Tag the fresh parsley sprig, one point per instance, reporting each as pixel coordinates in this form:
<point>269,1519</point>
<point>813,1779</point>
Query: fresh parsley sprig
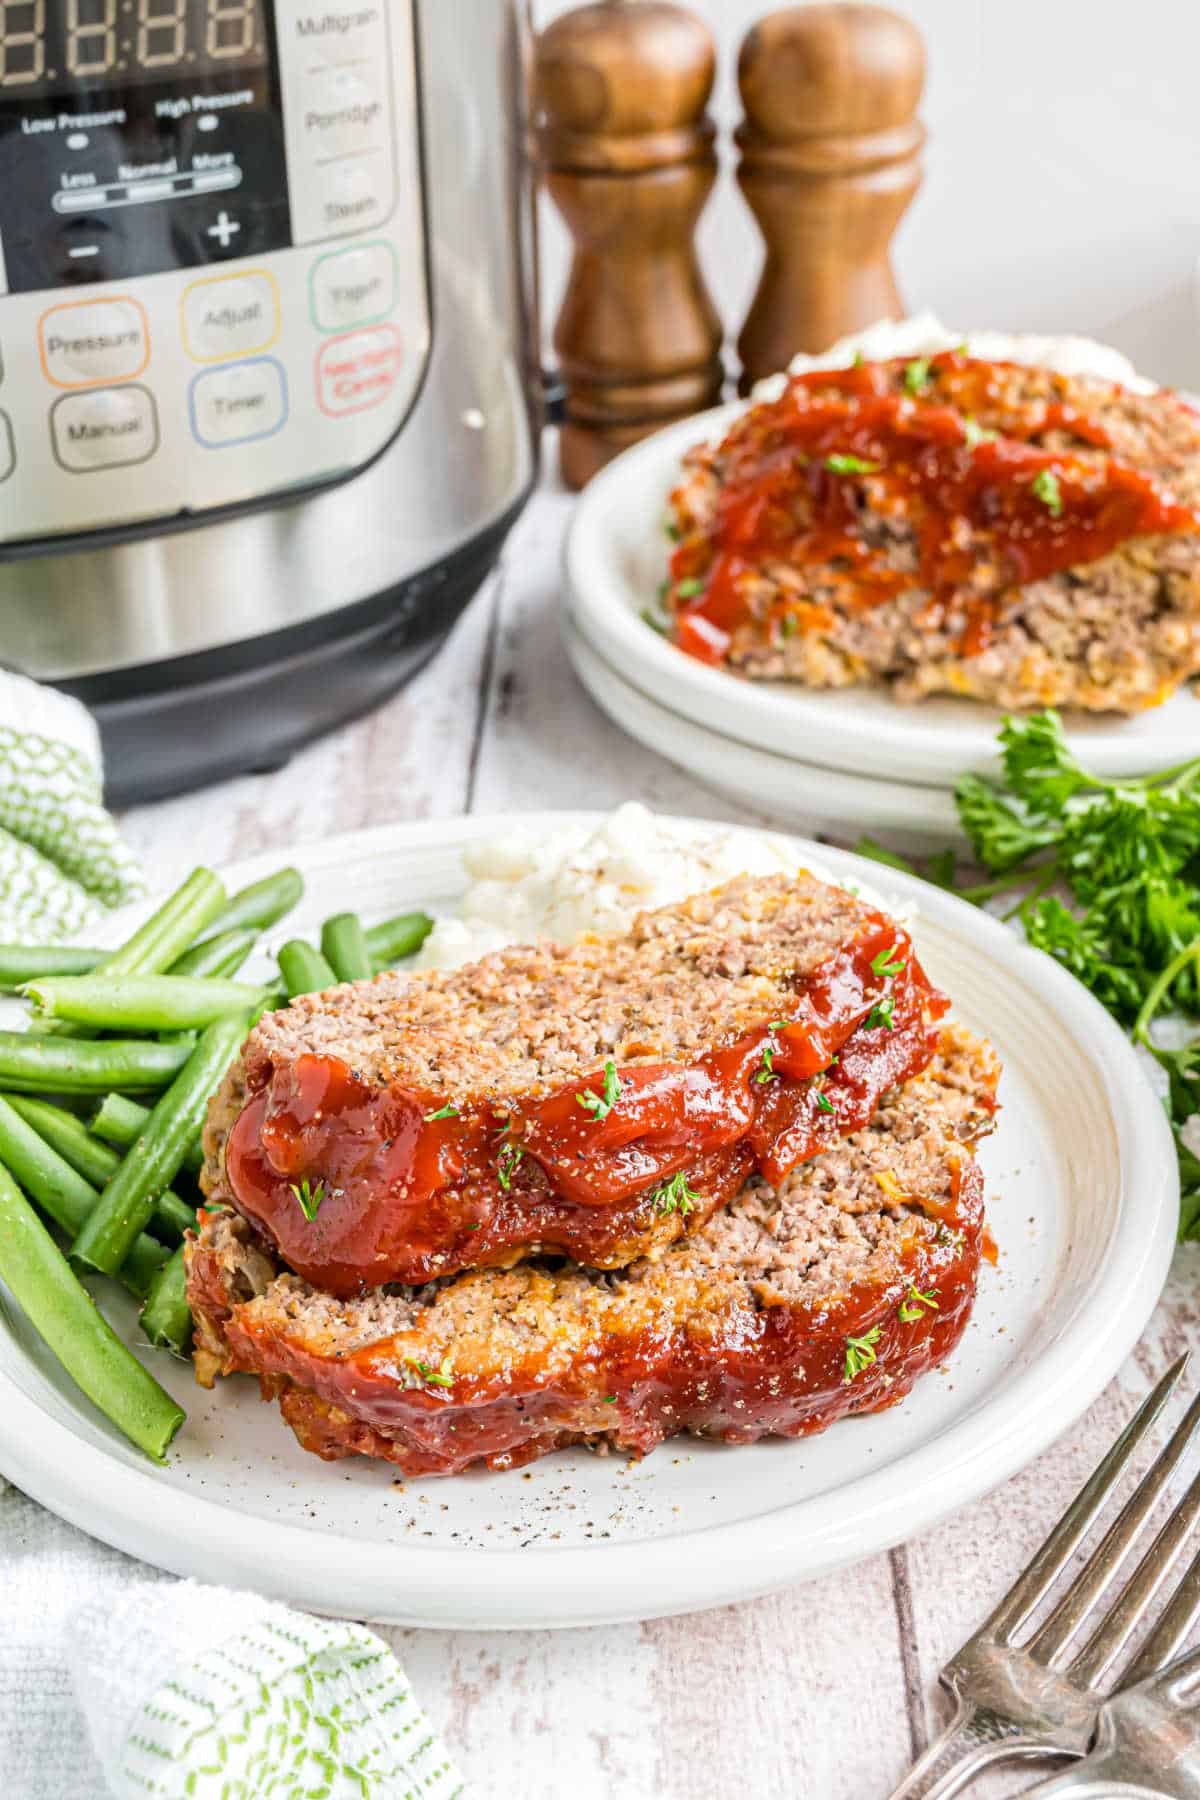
<point>600,1105</point>
<point>1103,875</point>
<point>860,1354</point>
<point>308,1198</point>
<point>674,1196</point>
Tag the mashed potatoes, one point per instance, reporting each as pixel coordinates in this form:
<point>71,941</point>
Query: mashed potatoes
<point>585,879</point>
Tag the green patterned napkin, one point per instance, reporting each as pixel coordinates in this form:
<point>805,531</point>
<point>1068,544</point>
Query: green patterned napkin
<point>199,1693</point>
<point>62,860</point>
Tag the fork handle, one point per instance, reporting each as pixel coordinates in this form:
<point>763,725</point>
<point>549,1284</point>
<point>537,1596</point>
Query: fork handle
<point>973,1739</point>
<point>1088,1783</point>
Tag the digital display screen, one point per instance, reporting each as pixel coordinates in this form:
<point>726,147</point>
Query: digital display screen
<point>49,47</point>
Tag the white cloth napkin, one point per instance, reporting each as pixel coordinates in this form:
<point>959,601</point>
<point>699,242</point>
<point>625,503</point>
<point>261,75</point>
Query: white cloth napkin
<point>201,1693</point>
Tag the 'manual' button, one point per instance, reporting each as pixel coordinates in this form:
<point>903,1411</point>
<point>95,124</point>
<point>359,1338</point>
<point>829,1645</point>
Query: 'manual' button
<point>238,404</point>
<point>230,315</point>
<point>92,341</point>
<point>107,428</point>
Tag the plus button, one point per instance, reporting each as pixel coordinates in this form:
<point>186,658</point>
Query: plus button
<point>225,229</point>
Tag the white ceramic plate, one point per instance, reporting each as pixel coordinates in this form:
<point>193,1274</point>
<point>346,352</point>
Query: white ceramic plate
<point>795,792</point>
<point>1083,1203</point>
<point>616,554</point>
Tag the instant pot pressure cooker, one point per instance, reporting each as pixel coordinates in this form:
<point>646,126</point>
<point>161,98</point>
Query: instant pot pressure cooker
<point>269,395</point>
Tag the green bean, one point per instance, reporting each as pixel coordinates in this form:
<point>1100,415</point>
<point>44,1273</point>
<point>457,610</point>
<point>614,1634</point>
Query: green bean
<point>394,939</point>
<point>22,962</point>
<point>74,1065</point>
<point>304,969</point>
<point>221,955</point>
<point>166,1316</point>
<point>64,1195</point>
<point>70,1137</point>
<point>263,903</point>
<point>344,947</point>
<point>141,1002</point>
<point>122,1121</point>
<point>128,1201</point>
<point>65,1317</point>
<point>155,945</point>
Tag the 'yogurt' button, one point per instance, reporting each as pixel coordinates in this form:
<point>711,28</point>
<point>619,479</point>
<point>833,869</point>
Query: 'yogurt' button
<point>359,370</point>
<point>353,287</point>
<point>107,428</point>
<point>230,315</point>
<point>238,404</point>
<point>92,341</point>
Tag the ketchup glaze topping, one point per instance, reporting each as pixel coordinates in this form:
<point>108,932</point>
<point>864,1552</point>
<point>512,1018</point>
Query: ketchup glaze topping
<point>987,509</point>
<point>404,1186</point>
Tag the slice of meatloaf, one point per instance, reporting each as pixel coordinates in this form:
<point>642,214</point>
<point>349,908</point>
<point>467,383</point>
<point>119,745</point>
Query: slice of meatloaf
<point>598,1100</point>
<point>827,1295</point>
<point>945,525</point>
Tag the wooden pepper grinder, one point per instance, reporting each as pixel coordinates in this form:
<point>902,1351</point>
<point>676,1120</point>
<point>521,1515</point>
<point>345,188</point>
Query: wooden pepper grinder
<point>830,161</point>
<point>627,152</point>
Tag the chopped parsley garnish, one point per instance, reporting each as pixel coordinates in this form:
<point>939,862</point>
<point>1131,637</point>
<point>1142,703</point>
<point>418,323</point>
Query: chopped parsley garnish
<point>976,434</point>
<point>671,529</point>
<point>948,1239</point>
<point>308,1198</point>
<point>1045,486</point>
<point>881,1014</point>
<point>420,1374</point>
<point>507,1164</point>
<point>674,1196</point>
<point>687,590</point>
<point>610,1399</point>
<point>788,625</point>
<point>656,621</point>
<point>768,1071</point>
<point>917,1304</point>
<point>885,963</point>
<point>839,464</point>
<point>443,1112</point>
<point>824,1104</point>
<point>916,374</point>
<point>860,1353</point>
<point>600,1106</point>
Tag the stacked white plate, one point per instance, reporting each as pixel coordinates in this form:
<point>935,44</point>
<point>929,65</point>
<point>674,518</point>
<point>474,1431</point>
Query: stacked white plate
<point>852,760</point>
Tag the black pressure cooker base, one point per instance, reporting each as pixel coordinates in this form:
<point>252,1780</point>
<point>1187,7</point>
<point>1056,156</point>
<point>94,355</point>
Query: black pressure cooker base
<point>170,726</point>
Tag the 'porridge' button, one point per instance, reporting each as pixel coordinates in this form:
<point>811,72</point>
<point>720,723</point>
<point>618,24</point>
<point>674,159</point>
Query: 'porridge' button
<point>107,428</point>
<point>88,342</point>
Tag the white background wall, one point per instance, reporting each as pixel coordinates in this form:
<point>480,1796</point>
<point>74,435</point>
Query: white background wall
<point>1062,184</point>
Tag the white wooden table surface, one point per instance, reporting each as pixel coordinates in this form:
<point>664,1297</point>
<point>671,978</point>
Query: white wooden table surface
<point>821,1693</point>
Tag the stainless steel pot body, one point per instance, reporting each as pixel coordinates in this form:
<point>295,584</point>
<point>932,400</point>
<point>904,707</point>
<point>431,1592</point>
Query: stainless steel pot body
<point>402,348</point>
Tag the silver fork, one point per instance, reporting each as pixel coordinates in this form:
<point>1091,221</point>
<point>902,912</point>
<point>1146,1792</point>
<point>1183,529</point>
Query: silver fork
<point>1147,1740</point>
<point>1042,1697</point>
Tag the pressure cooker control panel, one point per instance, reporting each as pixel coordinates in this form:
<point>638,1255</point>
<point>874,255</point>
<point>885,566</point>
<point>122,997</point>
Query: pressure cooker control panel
<point>213,281</point>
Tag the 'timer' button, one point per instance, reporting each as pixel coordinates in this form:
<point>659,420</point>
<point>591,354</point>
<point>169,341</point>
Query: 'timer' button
<point>107,428</point>
<point>88,342</point>
<point>230,315</point>
<point>236,405</point>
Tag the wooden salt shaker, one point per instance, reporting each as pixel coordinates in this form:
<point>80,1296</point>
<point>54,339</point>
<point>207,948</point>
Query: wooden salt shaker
<point>627,153</point>
<point>830,161</point>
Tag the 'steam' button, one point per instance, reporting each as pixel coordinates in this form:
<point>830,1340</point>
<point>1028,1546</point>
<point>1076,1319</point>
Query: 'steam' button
<point>359,370</point>
<point>107,428</point>
<point>236,405</point>
<point>89,342</point>
<point>230,315</point>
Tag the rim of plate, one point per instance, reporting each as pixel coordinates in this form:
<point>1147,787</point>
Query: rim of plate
<point>128,1506</point>
<point>860,730</point>
<point>775,784</point>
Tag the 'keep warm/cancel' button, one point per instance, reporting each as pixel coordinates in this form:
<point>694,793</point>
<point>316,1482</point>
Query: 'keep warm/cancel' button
<point>358,370</point>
